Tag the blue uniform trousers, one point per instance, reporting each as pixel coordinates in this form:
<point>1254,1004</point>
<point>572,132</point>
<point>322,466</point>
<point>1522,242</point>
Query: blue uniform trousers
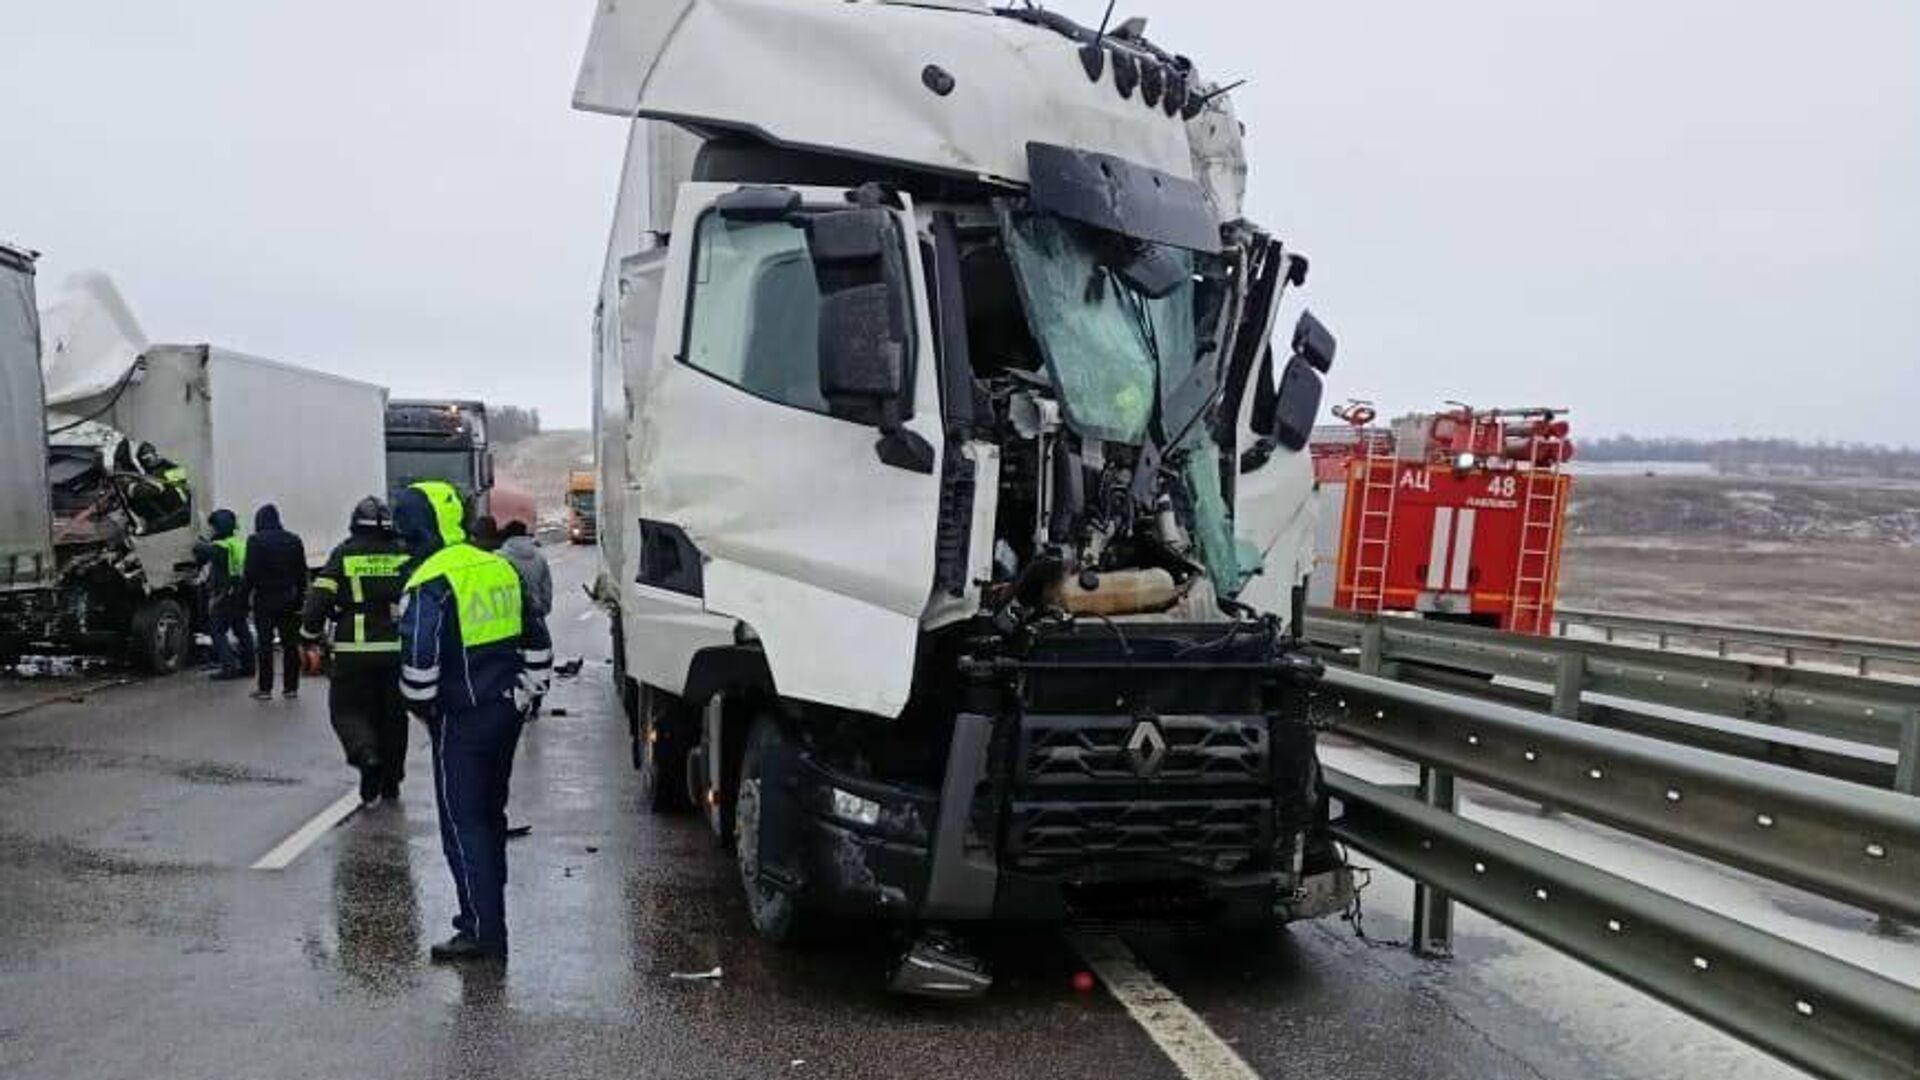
<point>472,764</point>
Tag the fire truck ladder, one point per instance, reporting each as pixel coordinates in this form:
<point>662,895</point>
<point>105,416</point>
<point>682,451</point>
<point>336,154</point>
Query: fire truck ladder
<point>1379,471</point>
<point>1539,525</point>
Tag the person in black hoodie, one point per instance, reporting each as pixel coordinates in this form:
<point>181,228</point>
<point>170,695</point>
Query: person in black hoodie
<point>276,582</point>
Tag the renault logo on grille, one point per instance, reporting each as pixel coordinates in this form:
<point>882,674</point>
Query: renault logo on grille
<point>1146,748</point>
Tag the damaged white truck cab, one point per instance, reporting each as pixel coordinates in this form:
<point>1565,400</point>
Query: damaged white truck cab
<point>956,512</point>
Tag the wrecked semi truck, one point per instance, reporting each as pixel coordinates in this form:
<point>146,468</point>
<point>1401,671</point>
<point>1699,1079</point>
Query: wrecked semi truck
<point>247,431</point>
<point>955,510</point>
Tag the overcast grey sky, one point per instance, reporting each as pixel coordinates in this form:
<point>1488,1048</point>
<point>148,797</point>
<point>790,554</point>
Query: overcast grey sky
<point>1697,217</point>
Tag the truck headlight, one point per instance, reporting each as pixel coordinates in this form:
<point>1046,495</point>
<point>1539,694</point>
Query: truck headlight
<point>854,808</point>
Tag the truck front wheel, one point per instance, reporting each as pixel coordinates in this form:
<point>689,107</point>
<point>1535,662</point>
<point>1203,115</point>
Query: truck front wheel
<point>160,638</point>
<point>776,913</point>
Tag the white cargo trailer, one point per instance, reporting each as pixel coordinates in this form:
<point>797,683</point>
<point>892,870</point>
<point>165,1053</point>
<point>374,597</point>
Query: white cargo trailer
<point>248,431</point>
<point>26,525</point>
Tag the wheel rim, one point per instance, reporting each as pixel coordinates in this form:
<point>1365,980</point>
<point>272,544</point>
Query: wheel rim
<point>746,843</point>
<point>649,757</point>
<point>166,641</point>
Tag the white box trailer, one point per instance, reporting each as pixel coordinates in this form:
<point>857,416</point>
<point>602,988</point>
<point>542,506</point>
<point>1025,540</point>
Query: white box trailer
<point>251,431</point>
<point>26,523</point>
<point>247,430</point>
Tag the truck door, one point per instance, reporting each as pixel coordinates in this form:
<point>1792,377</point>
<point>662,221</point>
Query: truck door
<point>786,435</point>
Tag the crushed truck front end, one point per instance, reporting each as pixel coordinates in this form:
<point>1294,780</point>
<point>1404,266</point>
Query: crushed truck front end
<point>1164,772</point>
<point>958,520</point>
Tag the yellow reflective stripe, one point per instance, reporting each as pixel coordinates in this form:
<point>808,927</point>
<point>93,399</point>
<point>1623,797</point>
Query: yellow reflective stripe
<point>359,624</point>
<point>326,583</point>
<point>357,567</point>
<point>366,646</point>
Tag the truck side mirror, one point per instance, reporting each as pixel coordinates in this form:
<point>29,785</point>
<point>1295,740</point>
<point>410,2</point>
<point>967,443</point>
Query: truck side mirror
<point>1313,340</point>
<point>864,337</point>
<point>1284,407</point>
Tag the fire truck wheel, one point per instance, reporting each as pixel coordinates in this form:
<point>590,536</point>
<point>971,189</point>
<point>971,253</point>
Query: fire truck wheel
<point>776,913</point>
<point>160,638</point>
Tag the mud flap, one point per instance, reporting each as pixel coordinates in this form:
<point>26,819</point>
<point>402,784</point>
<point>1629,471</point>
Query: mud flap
<point>782,816</point>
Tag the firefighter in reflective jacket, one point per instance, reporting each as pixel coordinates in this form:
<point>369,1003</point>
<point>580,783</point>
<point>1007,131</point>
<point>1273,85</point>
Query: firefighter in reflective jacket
<point>472,659</point>
<point>157,489</point>
<point>358,592</point>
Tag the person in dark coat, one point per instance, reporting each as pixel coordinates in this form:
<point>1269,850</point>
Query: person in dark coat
<point>358,593</point>
<point>224,553</point>
<point>276,582</point>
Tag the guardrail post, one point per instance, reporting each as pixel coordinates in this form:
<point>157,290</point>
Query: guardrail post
<point>1906,776</point>
<point>1432,908</point>
<point>1372,647</point>
<point>1569,678</point>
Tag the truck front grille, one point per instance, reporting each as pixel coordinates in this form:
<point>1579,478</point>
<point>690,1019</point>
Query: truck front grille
<point>1194,750</point>
<point>1212,835</point>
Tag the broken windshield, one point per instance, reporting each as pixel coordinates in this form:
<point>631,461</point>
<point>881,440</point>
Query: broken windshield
<point>1093,338</point>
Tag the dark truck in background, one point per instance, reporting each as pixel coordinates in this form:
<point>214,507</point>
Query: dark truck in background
<point>440,440</point>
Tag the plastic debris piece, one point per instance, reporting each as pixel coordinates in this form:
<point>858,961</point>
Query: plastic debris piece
<point>696,976</point>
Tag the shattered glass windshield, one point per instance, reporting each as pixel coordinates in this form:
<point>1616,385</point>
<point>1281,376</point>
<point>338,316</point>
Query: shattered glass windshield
<point>1093,341</point>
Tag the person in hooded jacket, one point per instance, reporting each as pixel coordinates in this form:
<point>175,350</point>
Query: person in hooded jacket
<point>536,579</point>
<point>472,659</point>
<point>224,553</point>
<point>358,593</point>
<point>276,580</point>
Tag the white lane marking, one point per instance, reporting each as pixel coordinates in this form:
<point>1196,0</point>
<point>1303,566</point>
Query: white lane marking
<point>1194,1048</point>
<point>303,838</point>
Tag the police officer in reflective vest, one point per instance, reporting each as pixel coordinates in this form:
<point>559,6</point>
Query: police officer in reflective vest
<point>224,554</point>
<point>358,592</point>
<point>472,659</point>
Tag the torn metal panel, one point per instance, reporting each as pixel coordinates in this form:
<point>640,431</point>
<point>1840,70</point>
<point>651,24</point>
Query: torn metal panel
<point>1120,196</point>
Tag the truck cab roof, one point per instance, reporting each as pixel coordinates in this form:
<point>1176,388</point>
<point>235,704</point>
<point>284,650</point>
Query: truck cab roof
<point>953,87</point>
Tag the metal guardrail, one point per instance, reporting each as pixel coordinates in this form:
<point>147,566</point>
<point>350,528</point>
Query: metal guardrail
<point>1819,1013</point>
<point>1658,762</point>
<point>1870,712</point>
<point>1864,654</point>
<point>1844,841</point>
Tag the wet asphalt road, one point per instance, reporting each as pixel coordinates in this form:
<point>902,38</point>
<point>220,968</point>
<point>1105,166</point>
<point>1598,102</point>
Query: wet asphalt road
<point>136,942</point>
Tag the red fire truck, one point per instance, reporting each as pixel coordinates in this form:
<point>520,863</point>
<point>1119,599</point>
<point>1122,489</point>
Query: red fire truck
<point>1454,515</point>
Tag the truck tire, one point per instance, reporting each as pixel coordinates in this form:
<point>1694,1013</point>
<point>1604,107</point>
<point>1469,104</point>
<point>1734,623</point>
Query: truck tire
<point>160,639</point>
<point>663,733</point>
<point>777,915</point>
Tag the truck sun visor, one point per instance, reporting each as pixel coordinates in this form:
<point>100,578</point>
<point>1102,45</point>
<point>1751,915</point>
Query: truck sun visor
<point>1120,196</point>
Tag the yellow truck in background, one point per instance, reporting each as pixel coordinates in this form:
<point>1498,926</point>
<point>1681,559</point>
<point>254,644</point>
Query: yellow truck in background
<point>582,525</point>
